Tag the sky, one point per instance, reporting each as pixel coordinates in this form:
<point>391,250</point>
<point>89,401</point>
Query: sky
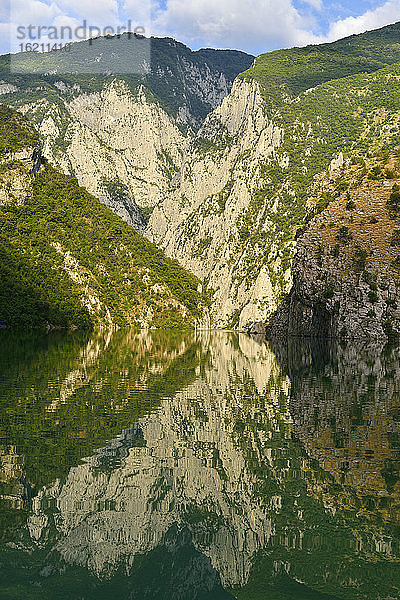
<point>254,26</point>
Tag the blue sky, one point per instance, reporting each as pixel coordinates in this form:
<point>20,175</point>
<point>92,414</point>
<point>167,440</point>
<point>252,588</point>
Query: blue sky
<point>252,25</point>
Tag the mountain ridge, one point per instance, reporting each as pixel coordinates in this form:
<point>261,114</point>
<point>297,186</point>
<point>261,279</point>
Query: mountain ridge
<point>121,136</point>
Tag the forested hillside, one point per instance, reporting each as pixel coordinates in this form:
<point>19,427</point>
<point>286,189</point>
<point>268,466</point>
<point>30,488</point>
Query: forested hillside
<point>286,73</point>
<point>67,260</point>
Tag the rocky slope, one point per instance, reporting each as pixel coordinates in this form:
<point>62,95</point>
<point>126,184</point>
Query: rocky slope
<point>67,260</point>
<point>346,269</point>
<point>241,192</point>
<point>122,136</point>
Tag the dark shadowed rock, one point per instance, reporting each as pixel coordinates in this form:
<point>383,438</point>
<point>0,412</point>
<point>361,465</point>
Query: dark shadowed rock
<point>258,329</point>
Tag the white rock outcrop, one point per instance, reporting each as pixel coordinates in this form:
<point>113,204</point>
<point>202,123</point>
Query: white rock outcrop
<point>120,145</point>
<point>203,221</point>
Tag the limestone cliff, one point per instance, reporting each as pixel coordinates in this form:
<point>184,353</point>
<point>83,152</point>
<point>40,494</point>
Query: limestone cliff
<point>230,198</point>
<point>121,146</point>
<point>234,209</point>
<point>203,223</point>
<point>121,136</point>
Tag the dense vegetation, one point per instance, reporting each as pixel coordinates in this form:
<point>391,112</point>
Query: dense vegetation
<point>322,106</point>
<point>295,70</point>
<point>16,132</point>
<point>32,292</point>
<point>66,259</point>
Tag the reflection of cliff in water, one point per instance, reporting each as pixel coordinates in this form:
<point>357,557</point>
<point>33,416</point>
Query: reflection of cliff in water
<point>192,463</point>
<point>345,404</point>
<point>209,487</point>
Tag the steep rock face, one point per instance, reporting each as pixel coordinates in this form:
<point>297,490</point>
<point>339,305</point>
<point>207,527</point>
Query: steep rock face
<point>122,137</point>
<point>201,223</point>
<point>14,183</point>
<point>229,202</point>
<point>189,84</point>
<point>122,147</point>
<point>241,194</point>
<point>346,275</point>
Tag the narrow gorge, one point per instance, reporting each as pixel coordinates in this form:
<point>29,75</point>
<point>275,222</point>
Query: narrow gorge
<point>199,310</point>
<point>218,158</point>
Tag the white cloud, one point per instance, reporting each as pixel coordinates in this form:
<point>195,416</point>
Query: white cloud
<point>385,14</point>
<point>138,11</point>
<point>260,25</point>
<point>95,12</point>
<point>245,24</point>
<point>33,12</point>
<point>68,13</point>
<point>24,14</point>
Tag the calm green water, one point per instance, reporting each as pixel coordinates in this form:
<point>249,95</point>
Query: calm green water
<point>154,466</point>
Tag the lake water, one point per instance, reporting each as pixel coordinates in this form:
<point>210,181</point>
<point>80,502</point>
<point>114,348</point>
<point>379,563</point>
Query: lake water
<point>182,467</point>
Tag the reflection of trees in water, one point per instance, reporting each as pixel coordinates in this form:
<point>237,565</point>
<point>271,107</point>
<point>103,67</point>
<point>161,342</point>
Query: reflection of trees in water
<point>345,404</point>
<point>212,485</point>
<point>63,396</point>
